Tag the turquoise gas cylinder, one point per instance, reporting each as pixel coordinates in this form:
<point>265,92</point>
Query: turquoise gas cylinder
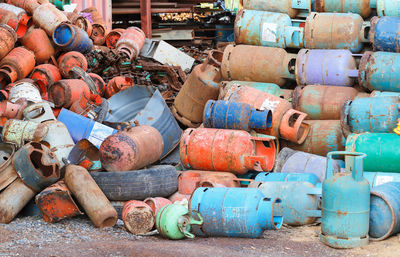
<point>345,204</point>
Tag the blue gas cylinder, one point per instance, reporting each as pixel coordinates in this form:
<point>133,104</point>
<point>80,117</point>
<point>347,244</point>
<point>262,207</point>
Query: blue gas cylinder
<point>388,7</point>
<point>69,37</point>
<point>234,212</point>
<point>233,115</point>
<point>83,128</point>
<point>379,178</point>
<point>345,204</point>
<point>288,177</point>
<point>387,34</point>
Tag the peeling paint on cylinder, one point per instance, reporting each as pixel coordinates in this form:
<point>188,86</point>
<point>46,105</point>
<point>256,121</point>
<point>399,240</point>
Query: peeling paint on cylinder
<point>131,42</point>
<point>48,17</point>
<point>45,75</point>
<point>8,38</point>
<point>24,90</point>
<point>237,151</point>
<point>16,65</point>
<point>138,217</point>
<point>69,60</point>
<point>387,34</point>
<point>362,7</point>
<point>116,85</point>
<point>113,37</point>
<point>291,7</point>
<point>37,41</point>
<point>388,7</point>
<point>269,88</point>
<point>65,92</point>
<point>18,132</point>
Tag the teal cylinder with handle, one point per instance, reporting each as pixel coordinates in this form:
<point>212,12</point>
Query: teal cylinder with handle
<point>345,203</point>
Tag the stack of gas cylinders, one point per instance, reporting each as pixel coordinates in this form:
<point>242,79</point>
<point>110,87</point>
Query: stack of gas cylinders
<point>304,80</point>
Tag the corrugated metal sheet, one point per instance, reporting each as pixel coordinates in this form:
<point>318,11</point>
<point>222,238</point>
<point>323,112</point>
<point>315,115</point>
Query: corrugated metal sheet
<point>103,6</point>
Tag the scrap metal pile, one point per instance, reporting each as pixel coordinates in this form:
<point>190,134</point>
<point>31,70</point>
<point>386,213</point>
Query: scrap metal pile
<point>92,122</point>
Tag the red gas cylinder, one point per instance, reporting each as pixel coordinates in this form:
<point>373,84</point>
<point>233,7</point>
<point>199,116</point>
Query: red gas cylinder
<point>113,37</point>
<point>8,39</point>
<point>287,123</point>
<point>99,34</point>
<point>69,60</point>
<point>45,75</point>
<point>99,82</point>
<point>66,91</point>
<point>116,85</point>
<point>138,217</point>
<point>131,42</point>
<point>38,42</point>
<point>16,65</point>
<point>132,149</point>
<point>228,150</point>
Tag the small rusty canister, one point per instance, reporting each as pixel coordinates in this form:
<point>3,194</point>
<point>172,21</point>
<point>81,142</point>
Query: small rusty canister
<point>113,37</point>
<point>55,203</point>
<point>45,75</point>
<point>16,65</point>
<point>138,217</point>
<point>67,61</point>
<point>48,17</point>
<point>286,122</point>
<point>132,149</point>
<point>130,43</point>
<point>90,196</point>
<point>237,151</point>
<point>67,91</point>
<point>323,102</point>
<point>19,132</point>
<point>116,85</point>
<point>8,38</point>
<point>201,85</point>
<point>258,63</point>
<point>38,42</point>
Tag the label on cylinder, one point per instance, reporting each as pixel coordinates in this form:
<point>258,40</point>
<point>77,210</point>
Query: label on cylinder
<point>99,133</point>
<point>269,32</point>
<point>269,105</point>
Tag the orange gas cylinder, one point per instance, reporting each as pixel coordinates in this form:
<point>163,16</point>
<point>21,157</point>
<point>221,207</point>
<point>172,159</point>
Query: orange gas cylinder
<point>28,5</point>
<point>45,75</point>
<point>228,150</point>
<point>8,39</point>
<point>13,110</point>
<point>16,65</point>
<point>138,217</point>
<point>287,123</point>
<point>116,85</point>
<point>130,43</point>
<point>38,42</point>
<point>99,34</point>
<point>79,21</point>
<point>99,82</point>
<point>69,60</point>
<point>189,180</point>
<point>113,37</point>
<point>66,91</point>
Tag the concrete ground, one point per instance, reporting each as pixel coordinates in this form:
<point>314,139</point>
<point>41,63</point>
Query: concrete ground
<point>31,236</point>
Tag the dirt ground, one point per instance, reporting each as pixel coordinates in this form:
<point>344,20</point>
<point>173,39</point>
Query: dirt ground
<point>31,236</point>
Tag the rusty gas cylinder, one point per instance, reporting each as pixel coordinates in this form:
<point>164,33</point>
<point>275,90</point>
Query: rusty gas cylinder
<point>90,196</point>
<point>130,43</point>
<point>116,85</point>
<point>94,15</point>
<point>237,151</point>
<point>201,85</point>
<point>45,75</point>
<point>156,203</point>
<point>13,110</point>
<point>99,82</point>
<point>80,21</point>
<point>19,132</point>
<point>38,42</point>
<point>7,170</point>
<point>362,7</point>
<point>257,63</point>
<point>48,17</point>
<point>20,26</point>
<point>56,203</point>
<point>66,91</point>
<point>28,5</point>
<point>323,102</point>
<point>325,136</point>
<point>99,34</point>
<point>8,38</point>
<point>132,149</point>
<point>286,122</point>
<point>113,36</point>
<point>16,65</point>
<point>69,60</point>
<point>138,217</point>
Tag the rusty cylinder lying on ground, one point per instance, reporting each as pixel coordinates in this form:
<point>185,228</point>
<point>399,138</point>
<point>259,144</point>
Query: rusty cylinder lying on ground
<point>90,196</point>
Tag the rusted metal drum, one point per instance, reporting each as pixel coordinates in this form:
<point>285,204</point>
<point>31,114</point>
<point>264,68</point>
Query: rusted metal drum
<point>132,149</point>
<point>325,136</point>
<point>326,67</point>
<point>65,92</point>
<point>116,85</point>
<point>45,75</point>
<point>38,42</point>
<point>257,63</point>
<point>8,38</point>
<point>156,203</point>
<point>200,86</point>
<point>90,196</point>
<point>131,42</point>
<point>55,203</point>
<point>296,130</point>
<point>69,60</point>
<point>16,65</point>
<point>291,7</point>
<point>18,132</point>
<point>189,180</point>
<point>48,17</point>
<point>323,102</point>
<point>237,151</point>
<point>113,36</point>
<point>335,31</point>
<point>138,217</point>
<point>362,7</point>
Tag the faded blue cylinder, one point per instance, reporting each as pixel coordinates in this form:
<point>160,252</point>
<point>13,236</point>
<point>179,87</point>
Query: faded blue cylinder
<point>300,200</point>
<point>387,34</point>
<point>385,211</point>
<point>325,67</point>
<point>287,177</point>
<point>233,115</point>
<point>345,204</point>
<point>234,212</point>
<point>371,114</point>
<point>69,37</point>
<point>388,7</point>
<point>81,127</point>
<point>379,178</point>
<point>292,7</point>
<point>362,7</point>
<point>267,29</point>
<point>380,71</point>
<point>376,93</point>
